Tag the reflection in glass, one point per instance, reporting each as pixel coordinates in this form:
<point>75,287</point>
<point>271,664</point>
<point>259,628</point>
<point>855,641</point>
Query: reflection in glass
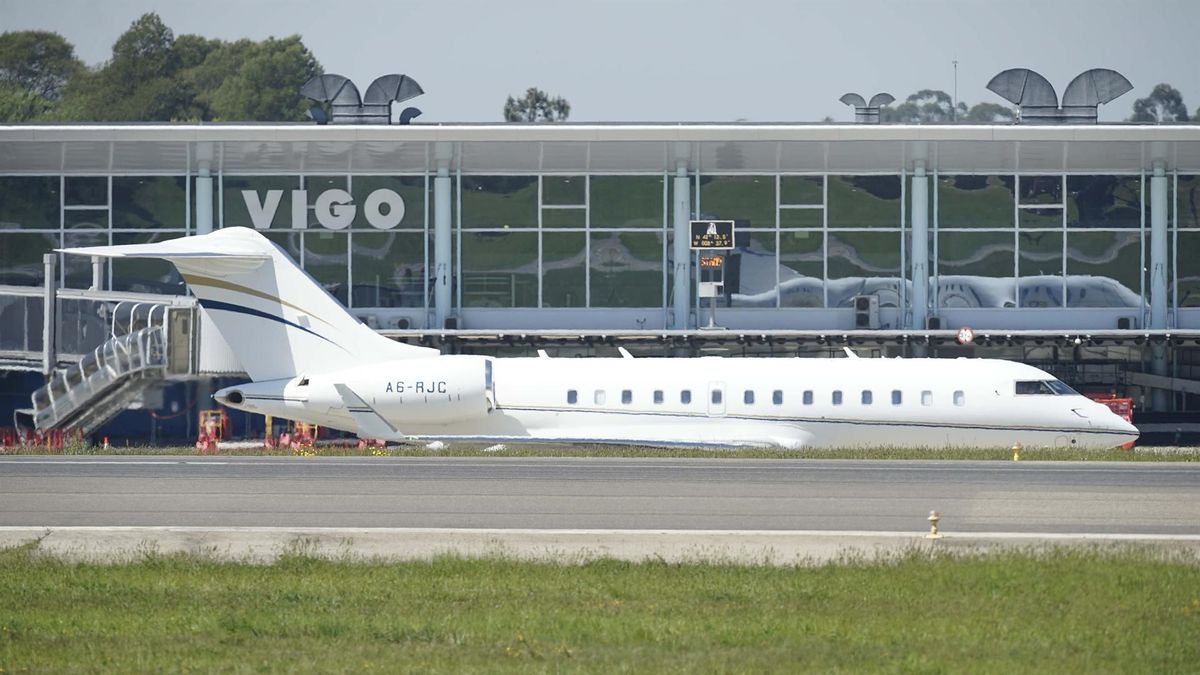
<point>86,191</point>
<point>975,201</point>
<point>315,185</point>
<point>750,272</point>
<point>145,275</point>
<point>1040,264</point>
<point>855,258</point>
<point>564,265</point>
<point>1103,269</point>
<point>387,269</point>
<point>1188,201</point>
<point>1040,218</point>
<point>806,190</point>
<point>1104,201</point>
<point>289,241</point>
<point>21,257</point>
<point>801,269</point>
<point>499,201</point>
<point>149,202</point>
<point>626,269</point>
<point>864,201</point>
<point>29,202</point>
<point>564,190</point>
<point>801,218</point>
<point>77,269</point>
<point>749,198</point>
<point>1040,189</point>
<point>325,256</point>
<point>236,213</point>
<point>499,269</point>
<point>1187,270</point>
<point>567,218</point>
<point>85,220</point>
<point>410,188</point>
<point>975,269</point>
<point>627,201</point>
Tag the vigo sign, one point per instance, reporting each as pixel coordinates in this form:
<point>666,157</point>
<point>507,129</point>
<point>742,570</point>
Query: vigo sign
<point>335,208</point>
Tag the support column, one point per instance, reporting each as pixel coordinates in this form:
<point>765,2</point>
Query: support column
<point>97,273</point>
<point>1158,277</point>
<point>442,221</point>
<point>682,252</point>
<point>49,313</point>
<point>920,247</point>
<point>204,199</point>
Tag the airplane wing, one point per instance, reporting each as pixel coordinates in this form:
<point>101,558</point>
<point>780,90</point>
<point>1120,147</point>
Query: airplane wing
<point>370,424</point>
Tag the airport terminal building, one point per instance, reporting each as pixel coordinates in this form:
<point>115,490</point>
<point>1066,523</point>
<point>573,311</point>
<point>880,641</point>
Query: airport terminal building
<point>441,230</point>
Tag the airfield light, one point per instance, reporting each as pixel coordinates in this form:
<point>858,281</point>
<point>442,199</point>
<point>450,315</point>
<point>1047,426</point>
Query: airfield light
<point>934,517</point>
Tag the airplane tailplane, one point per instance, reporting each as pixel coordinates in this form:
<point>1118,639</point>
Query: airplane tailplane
<point>276,318</point>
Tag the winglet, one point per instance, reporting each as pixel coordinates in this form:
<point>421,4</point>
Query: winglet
<point>370,424</point>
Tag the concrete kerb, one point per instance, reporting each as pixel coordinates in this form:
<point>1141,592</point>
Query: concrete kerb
<point>266,545</point>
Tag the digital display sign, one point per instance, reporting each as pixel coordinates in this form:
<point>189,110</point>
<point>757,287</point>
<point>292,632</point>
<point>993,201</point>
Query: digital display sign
<point>712,234</point>
<point>712,262</point>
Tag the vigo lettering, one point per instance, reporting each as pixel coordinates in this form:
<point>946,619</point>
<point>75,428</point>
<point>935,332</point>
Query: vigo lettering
<point>334,208</point>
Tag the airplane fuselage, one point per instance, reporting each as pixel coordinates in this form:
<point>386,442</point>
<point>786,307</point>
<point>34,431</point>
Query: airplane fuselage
<point>721,402</point>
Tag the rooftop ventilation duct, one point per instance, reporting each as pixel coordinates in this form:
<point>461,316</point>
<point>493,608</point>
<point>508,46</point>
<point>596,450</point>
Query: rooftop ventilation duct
<point>347,107</point>
<point>864,112</point>
<point>1038,103</point>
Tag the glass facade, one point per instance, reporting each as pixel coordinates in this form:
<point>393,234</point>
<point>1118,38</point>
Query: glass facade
<point>561,241</point>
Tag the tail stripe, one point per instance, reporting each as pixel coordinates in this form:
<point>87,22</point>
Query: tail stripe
<point>227,307</point>
<point>194,280</point>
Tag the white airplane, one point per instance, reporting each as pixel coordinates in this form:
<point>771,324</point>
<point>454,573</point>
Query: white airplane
<point>310,360</point>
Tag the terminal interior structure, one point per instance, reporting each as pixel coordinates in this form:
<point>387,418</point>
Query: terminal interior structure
<point>1075,247</point>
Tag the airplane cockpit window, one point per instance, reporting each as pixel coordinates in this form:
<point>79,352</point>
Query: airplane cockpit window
<point>1044,388</point>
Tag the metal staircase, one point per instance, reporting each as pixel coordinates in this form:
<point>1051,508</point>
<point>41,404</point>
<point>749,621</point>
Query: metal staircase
<point>112,378</point>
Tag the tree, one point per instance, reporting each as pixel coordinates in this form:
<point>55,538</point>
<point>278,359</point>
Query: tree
<point>536,106</point>
<point>255,80</point>
<point>34,68</point>
<point>1164,104</point>
<point>988,113</point>
<point>928,106</point>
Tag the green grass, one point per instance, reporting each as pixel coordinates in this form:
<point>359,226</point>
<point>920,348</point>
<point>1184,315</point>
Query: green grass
<point>1147,454</point>
<point>1071,610</point>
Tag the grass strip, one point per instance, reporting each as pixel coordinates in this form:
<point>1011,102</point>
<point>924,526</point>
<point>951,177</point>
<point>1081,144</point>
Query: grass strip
<point>1065,610</point>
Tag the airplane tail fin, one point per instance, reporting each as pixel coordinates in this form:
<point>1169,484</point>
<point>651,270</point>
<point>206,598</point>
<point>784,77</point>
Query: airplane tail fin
<point>277,319</point>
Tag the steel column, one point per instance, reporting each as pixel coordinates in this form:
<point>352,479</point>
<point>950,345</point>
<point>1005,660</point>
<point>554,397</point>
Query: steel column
<point>680,217</point>
<point>920,247</point>
<point>442,238</point>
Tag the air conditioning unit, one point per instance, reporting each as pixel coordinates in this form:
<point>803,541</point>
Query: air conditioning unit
<point>1126,323</point>
<point>866,312</point>
<point>933,323</point>
<point>399,323</point>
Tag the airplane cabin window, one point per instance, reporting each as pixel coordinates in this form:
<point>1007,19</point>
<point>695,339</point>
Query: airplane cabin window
<point>777,397</point>
<point>716,396</point>
<point>599,397</point>
<point>897,397</point>
<point>837,397</point>
<point>808,397</point>
<point>927,397</point>
<point>658,396</point>
<point>867,397</point>
<point>572,396</point>
<point>685,396</point>
<point>627,396</point>
<point>959,398</point>
<point>748,397</point>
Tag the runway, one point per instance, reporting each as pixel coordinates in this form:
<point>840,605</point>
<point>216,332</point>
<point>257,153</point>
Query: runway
<point>534,494</point>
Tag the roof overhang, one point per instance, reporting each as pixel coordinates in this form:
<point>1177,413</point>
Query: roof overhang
<point>597,148</point>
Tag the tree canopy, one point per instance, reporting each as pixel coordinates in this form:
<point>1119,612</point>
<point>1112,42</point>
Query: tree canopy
<point>154,76</point>
<point>933,106</point>
<point>1164,104</point>
<point>536,106</point>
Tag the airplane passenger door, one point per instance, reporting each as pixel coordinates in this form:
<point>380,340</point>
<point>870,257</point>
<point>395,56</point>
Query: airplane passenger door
<point>716,399</point>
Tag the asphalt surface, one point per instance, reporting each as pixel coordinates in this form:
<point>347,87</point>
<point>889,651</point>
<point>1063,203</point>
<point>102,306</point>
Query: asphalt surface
<point>626,494</point>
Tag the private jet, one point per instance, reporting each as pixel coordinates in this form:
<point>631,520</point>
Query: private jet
<point>312,361</point>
